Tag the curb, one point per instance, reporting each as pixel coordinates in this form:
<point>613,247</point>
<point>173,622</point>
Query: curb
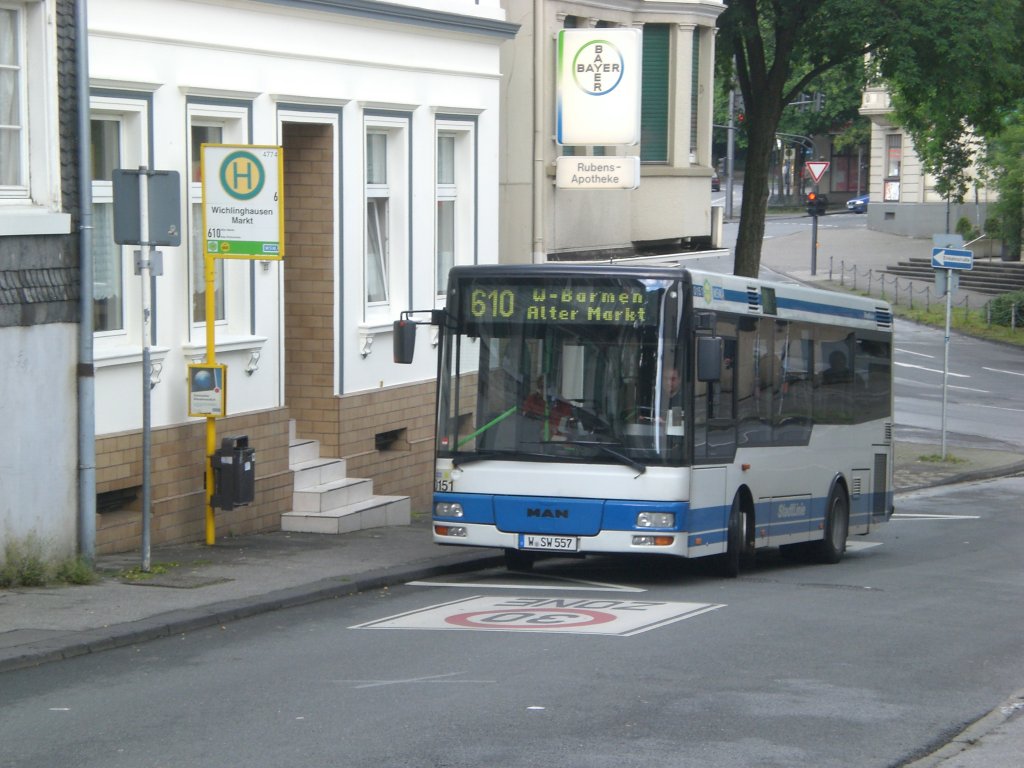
<point>82,642</point>
<point>969,737</point>
<point>969,476</point>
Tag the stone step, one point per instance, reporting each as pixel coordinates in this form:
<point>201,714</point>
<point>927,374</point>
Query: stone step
<point>300,450</point>
<point>375,512</point>
<point>317,472</point>
<point>337,494</point>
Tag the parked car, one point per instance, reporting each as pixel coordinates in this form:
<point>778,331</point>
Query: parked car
<point>857,204</point>
<point>716,183</point>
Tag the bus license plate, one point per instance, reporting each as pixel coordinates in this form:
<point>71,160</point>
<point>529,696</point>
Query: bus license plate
<point>556,543</point>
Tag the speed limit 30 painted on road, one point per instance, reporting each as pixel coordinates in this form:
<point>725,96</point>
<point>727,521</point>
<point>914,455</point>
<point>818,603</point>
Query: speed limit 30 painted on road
<point>585,616</point>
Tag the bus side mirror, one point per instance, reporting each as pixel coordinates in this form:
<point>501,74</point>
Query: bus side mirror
<point>404,341</point>
<point>709,358</point>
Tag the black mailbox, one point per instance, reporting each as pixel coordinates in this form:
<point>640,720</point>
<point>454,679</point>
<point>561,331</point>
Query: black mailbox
<point>234,473</point>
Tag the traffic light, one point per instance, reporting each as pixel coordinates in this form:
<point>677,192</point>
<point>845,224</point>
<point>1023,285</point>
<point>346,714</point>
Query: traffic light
<point>816,204</point>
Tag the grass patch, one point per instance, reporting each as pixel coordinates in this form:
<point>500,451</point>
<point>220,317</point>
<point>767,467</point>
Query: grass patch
<point>137,574</point>
<point>972,322</point>
<point>26,564</point>
<point>936,458</point>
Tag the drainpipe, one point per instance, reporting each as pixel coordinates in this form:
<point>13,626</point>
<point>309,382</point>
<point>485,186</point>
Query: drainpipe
<point>86,369</point>
<point>539,175</point>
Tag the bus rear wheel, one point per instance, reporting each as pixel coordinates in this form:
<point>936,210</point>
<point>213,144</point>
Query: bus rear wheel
<point>517,560</point>
<point>837,526</point>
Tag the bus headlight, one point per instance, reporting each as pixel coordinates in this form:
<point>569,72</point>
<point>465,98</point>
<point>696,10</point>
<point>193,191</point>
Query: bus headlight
<point>655,520</point>
<point>448,509</point>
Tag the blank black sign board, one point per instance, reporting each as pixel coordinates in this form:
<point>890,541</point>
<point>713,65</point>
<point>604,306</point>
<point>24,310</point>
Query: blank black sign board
<point>164,207</point>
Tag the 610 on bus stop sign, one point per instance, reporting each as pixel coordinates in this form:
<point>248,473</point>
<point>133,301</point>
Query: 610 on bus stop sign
<point>243,216</point>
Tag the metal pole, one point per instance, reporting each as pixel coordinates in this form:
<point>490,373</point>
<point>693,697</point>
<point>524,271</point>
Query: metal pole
<point>814,245</point>
<point>86,327</point>
<point>730,153</point>
<point>145,250</point>
<point>945,363</point>
<point>210,269</point>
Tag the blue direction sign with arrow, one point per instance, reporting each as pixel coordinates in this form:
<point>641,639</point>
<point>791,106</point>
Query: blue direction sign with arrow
<point>952,258</point>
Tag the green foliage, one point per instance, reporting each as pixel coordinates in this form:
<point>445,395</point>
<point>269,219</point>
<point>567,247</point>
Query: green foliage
<point>1006,306</point>
<point>75,570</point>
<point>25,564</point>
<point>952,66</point>
<point>966,229</point>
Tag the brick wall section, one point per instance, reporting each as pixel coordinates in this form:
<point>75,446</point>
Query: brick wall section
<point>309,282</point>
<point>176,481</point>
<point>405,469</point>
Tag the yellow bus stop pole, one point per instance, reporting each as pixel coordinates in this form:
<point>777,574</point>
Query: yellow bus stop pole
<point>210,270</point>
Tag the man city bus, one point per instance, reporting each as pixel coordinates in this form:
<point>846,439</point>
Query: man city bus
<point>657,410</point>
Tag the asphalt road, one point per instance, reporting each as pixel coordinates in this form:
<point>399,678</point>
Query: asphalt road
<point>868,663</point>
<point>984,389</point>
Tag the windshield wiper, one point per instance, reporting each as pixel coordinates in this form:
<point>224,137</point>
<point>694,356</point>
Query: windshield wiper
<point>610,449</point>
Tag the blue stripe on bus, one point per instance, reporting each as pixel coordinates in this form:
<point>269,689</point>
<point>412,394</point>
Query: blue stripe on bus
<point>803,305</point>
<point>586,517</point>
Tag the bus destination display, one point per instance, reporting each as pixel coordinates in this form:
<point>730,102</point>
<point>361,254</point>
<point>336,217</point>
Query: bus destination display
<point>600,303</point>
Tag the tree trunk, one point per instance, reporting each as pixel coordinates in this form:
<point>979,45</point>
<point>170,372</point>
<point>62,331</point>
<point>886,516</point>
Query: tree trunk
<point>750,237</point>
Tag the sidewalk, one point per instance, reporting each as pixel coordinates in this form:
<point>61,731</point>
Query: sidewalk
<point>202,586</point>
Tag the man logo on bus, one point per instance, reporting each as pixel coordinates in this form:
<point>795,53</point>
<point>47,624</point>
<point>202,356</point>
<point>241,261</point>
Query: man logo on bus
<point>597,68</point>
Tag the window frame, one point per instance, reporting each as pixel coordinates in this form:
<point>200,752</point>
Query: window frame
<point>132,113</point>
<point>396,190</point>
<point>461,192</point>
<point>234,120</point>
<point>33,206</point>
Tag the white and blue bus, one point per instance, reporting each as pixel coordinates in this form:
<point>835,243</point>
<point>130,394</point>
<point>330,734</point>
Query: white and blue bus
<point>654,409</point>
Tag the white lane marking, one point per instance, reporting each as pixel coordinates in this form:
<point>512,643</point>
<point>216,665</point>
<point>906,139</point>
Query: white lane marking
<point>1000,370</point>
<point>912,352</point>
<point>569,583</point>
<point>413,680</point>
<point>998,408</point>
<point>931,370</point>
<point>926,516</point>
<point>860,546</point>
<point>970,389</point>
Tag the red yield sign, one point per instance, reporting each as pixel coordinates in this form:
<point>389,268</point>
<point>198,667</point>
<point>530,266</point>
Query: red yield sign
<point>816,168</point>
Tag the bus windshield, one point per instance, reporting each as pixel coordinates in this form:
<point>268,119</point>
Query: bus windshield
<point>580,368</point>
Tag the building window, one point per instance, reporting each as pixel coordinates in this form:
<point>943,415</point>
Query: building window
<point>119,127</point>
<point>203,134</point>
<point>377,194</point>
<point>29,138</point>
<point>694,93</point>
<point>455,200</point>
<point>108,262</point>
<point>215,122</point>
<point>13,136</point>
<point>387,218</point>
<point>654,94</point>
<point>893,155</point>
<point>447,195</point>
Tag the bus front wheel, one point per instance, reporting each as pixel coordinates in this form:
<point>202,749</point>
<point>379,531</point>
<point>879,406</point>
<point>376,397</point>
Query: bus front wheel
<point>736,540</point>
<point>837,526</point>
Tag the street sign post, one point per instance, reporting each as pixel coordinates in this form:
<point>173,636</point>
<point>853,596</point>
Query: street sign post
<point>243,218</point>
<point>951,260</point>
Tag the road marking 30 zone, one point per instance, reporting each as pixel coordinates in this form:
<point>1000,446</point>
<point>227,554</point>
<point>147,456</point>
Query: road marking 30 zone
<point>572,615</point>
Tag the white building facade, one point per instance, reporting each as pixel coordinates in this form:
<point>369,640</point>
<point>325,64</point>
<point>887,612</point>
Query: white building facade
<point>903,199</point>
<point>39,279</point>
<point>671,209</point>
<point>388,118</point>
